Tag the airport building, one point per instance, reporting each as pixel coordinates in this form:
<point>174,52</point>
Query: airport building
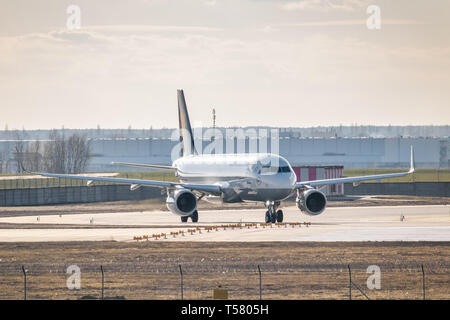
<point>347,152</point>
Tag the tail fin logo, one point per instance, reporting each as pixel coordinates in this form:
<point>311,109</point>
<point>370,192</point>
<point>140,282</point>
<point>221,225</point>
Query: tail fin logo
<point>186,136</point>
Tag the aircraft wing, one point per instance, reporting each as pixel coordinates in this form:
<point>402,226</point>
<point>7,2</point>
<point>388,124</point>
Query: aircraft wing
<point>315,183</point>
<point>208,188</point>
<point>142,165</point>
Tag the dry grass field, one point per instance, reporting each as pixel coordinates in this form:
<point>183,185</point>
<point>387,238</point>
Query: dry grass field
<point>150,270</point>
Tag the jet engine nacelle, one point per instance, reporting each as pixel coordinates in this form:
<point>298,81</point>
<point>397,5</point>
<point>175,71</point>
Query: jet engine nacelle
<point>182,202</point>
<point>311,202</point>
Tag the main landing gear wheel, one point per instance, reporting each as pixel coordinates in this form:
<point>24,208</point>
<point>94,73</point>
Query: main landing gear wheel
<point>273,217</point>
<point>194,216</point>
<point>280,216</point>
<point>268,217</point>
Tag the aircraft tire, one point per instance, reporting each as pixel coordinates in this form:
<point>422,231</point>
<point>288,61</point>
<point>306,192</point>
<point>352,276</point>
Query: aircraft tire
<point>280,216</point>
<point>273,217</point>
<point>194,216</point>
<point>268,219</point>
<point>184,219</point>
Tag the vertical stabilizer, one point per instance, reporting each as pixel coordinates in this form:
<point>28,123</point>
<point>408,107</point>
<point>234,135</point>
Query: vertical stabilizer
<point>186,135</point>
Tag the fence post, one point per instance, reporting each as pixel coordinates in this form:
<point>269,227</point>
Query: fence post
<point>260,283</point>
<point>360,290</point>
<point>350,282</point>
<point>24,283</point>
<point>181,281</point>
<point>354,284</point>
<point>423,283</point>
<point>103,282</point>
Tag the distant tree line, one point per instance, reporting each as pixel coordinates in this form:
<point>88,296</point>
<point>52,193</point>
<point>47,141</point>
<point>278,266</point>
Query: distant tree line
<point>60,154</point>
<point>340,131</point>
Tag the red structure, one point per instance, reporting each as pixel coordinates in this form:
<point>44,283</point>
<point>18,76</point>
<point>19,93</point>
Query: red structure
<point>307,173</point>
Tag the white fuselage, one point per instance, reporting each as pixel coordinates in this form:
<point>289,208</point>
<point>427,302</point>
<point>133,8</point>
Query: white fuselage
<point>255,177</point>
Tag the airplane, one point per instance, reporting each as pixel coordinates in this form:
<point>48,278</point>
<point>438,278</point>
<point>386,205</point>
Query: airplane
<point>231,178</point>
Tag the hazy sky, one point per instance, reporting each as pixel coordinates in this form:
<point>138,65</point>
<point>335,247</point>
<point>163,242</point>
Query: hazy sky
<point>258,62</point>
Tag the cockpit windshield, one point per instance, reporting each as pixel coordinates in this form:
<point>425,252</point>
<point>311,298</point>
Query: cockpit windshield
<point>273,167</point>
<point>284,169</point>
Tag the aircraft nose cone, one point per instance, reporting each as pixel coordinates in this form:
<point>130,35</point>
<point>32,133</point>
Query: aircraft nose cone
<point>293,179</point>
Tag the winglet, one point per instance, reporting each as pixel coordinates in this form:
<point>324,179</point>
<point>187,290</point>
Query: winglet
<point>412,165</point>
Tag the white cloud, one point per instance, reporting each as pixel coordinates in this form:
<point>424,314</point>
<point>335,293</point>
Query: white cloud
<point>324,5</point>
<point>345,23</point>
<point>122,74</point>
<point>210,2</point>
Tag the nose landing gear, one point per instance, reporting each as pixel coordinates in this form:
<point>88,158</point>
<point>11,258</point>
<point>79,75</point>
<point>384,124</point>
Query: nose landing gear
<point>272,214</point>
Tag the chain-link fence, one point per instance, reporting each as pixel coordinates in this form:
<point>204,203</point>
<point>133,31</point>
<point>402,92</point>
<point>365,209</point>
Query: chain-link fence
<point>139,280</point>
